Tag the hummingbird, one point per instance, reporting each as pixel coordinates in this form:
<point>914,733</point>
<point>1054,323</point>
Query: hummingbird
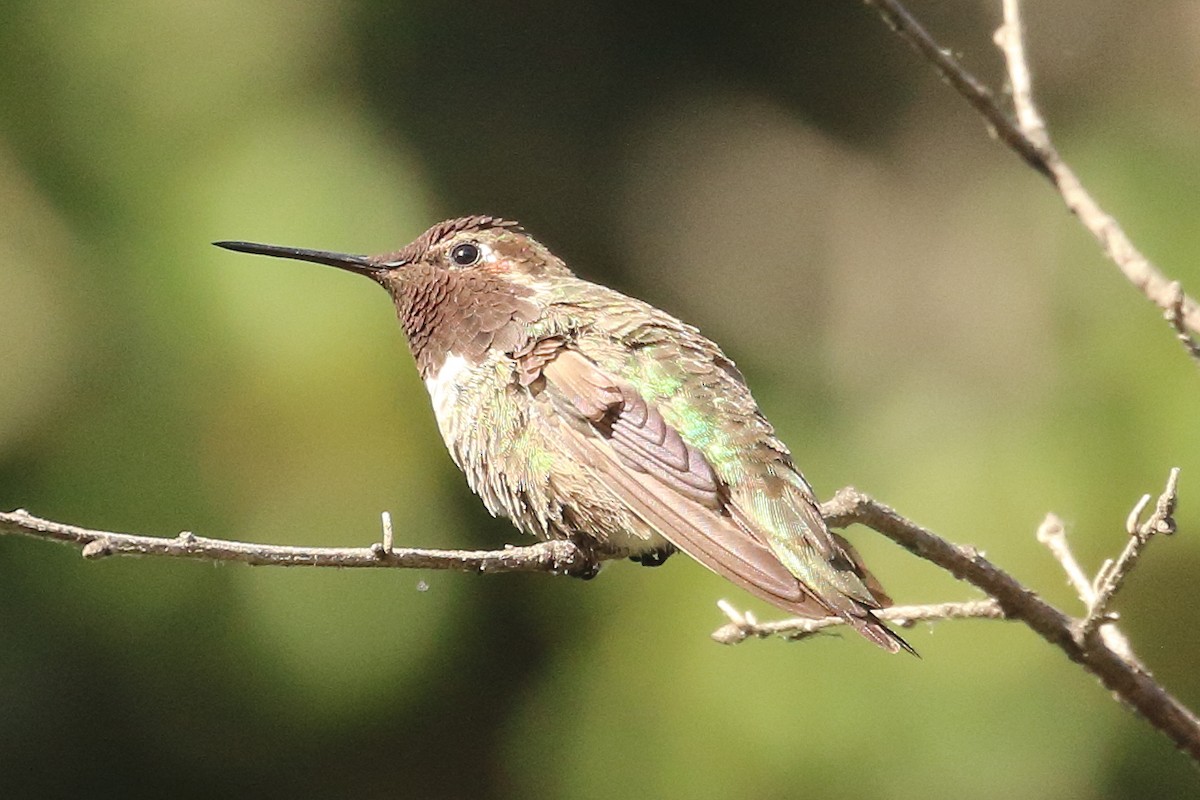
<point>580,413</point>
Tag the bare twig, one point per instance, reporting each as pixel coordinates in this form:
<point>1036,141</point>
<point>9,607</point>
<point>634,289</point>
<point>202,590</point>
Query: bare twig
<point>1174,317</point>
<point>742,625</point>
<point>1010,38</point>
<point>1112,575</point>
<point>1121,674</point>
<point>1027,137</point>
<point>971,88</point>
<point>558,557</point>
<point>1052,533</point>
<point>389,535</point>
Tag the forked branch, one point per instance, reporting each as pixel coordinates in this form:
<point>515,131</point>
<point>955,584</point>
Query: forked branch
<point>1092,641</point>
<point>1028,136</point>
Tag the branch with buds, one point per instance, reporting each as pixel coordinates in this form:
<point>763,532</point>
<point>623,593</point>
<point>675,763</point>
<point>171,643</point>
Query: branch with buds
<point>1026,134</point>
<point>1093,641</point>
<point>557,557</point>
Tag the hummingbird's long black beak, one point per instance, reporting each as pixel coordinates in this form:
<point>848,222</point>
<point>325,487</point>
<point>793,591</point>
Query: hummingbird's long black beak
<point>363,265</point>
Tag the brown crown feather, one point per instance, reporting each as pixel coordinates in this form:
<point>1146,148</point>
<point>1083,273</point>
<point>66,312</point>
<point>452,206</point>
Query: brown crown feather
<point>419,247</point>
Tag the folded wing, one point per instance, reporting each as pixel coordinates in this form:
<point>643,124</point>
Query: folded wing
<point>628,446</point>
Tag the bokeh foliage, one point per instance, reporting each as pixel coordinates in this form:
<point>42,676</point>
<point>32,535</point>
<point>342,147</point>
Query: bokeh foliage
<point>915,310</point>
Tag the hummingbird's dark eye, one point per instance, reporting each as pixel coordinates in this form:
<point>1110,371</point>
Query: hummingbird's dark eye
<point>465,254</point>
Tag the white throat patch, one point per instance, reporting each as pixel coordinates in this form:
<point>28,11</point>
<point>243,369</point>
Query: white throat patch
<point>443,386</point>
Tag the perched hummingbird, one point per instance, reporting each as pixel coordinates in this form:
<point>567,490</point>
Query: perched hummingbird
<point>583,414</point>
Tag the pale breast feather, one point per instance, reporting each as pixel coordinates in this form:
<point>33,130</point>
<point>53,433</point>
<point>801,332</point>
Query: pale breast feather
<point>444,386</point>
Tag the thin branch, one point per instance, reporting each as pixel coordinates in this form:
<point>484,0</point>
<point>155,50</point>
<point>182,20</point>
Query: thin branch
<point>1122,675</point>
<point>1162,291</point>
<point>556,557</point>
<point>1052,533</point>
<point>1028,138</point>
<point>971,88</point>
<point>742,624</point>
<point>389,535</point>
<point>1175,318</point>
<point>1010,38</point>
<point>1112,576</point>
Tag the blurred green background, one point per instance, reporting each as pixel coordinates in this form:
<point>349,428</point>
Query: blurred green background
<point>914,308</point>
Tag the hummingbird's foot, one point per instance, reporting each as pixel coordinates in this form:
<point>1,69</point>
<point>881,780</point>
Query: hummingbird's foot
<point>653,558</point>
<point>589,565</point>
<point>588,570</point>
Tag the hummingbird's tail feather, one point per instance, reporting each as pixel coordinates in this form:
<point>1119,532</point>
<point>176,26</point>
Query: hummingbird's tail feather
<point>782,512</point>
<point>881,597</point>
<point>869,626</point>
<point>830,569</point>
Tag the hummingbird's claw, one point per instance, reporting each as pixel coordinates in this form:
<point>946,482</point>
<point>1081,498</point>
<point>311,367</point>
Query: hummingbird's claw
<point>653,558</point>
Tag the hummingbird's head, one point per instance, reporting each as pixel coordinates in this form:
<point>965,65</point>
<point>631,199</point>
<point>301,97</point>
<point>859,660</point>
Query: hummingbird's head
<point>470,247</point>
<point>483,246</point>
<point>461,287</point>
